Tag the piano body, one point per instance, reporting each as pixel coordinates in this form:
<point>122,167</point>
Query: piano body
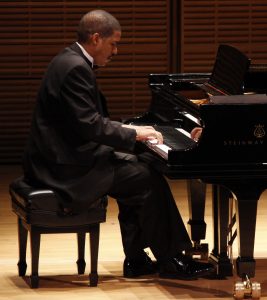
<point>237,169</point>
<point>231,152</point>
<point>175,102</point>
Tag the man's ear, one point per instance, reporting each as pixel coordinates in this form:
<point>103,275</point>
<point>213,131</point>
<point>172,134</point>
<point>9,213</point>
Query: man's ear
<point>95,38</point>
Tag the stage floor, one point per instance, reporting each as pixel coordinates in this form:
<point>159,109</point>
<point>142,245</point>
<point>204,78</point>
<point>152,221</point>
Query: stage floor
<point>57,266</point>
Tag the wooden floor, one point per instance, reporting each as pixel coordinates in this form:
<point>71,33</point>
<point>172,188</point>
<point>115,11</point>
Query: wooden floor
<point>57,267</point>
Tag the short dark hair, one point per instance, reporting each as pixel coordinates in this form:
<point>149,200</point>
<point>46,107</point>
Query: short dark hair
<point>97,21</point>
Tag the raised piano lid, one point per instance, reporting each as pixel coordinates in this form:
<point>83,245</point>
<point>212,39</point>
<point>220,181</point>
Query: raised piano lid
<point>234,132</point>
<point>229,70</point>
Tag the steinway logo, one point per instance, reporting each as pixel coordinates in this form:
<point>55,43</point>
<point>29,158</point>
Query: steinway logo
<point>258,133</point>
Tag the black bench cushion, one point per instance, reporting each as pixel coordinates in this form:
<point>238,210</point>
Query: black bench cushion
<point>42,207</point>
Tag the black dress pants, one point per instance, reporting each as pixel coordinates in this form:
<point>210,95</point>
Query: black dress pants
<point>148,214</point>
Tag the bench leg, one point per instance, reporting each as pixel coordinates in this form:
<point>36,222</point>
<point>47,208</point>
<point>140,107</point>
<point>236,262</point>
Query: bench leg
<point>81,246</point>
<point>94,245</point>
<point>22,239</point>
<point>35,251</point>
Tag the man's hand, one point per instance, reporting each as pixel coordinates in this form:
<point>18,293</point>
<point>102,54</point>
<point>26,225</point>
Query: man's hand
<point>145,133</point>
<point>196,133</point>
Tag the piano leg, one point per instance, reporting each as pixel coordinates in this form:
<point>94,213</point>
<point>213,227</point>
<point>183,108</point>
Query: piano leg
<point>196,190</point>
<point>220,207</point>
<point>246,211</point>
<point>246,194</point>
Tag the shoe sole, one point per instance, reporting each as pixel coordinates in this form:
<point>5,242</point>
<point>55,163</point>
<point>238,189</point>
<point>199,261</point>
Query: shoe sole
<point>131,275</point>
<point>176,276</point>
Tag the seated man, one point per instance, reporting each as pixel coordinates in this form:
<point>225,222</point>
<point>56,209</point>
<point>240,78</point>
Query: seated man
<point>73,147</point>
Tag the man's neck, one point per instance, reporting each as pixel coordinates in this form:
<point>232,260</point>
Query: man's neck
<point>86,54</point>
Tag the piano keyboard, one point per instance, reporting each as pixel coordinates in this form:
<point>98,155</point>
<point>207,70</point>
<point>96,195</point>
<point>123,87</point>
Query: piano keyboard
<point>173,139</point>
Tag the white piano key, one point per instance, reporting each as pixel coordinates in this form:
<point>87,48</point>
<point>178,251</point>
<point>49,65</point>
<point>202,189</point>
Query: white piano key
<point>163,147</point>
<point>184,132</point>
<point>153,141</point>
<point>191,117</point>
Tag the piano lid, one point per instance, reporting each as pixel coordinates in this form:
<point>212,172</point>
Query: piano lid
<point>183,92</point>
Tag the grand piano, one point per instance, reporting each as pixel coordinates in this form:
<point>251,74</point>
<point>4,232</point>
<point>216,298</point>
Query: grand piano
<point>230,155</point>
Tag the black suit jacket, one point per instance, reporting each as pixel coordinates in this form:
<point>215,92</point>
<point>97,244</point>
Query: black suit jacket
<point>72,140</point>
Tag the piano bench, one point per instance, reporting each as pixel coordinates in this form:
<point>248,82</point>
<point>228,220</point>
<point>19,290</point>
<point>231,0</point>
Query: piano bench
<point>38,212</point>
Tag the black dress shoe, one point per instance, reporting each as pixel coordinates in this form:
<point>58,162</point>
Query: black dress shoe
<point>143,265</point>
<point>185,268</point>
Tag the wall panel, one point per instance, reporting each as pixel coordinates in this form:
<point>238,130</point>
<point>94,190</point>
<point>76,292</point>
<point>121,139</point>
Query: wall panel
<point>32,32</point>
<point>206,24</point>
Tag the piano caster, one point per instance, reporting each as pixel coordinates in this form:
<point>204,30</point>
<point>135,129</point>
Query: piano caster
<point>247,288</point>
<point>200,250</point>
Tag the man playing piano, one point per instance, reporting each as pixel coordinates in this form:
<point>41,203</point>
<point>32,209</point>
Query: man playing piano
<point>73,148</point>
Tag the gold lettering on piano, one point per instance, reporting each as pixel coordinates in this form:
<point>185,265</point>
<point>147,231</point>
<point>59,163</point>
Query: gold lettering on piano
<point>243,142</point>
<point>259,131</point>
